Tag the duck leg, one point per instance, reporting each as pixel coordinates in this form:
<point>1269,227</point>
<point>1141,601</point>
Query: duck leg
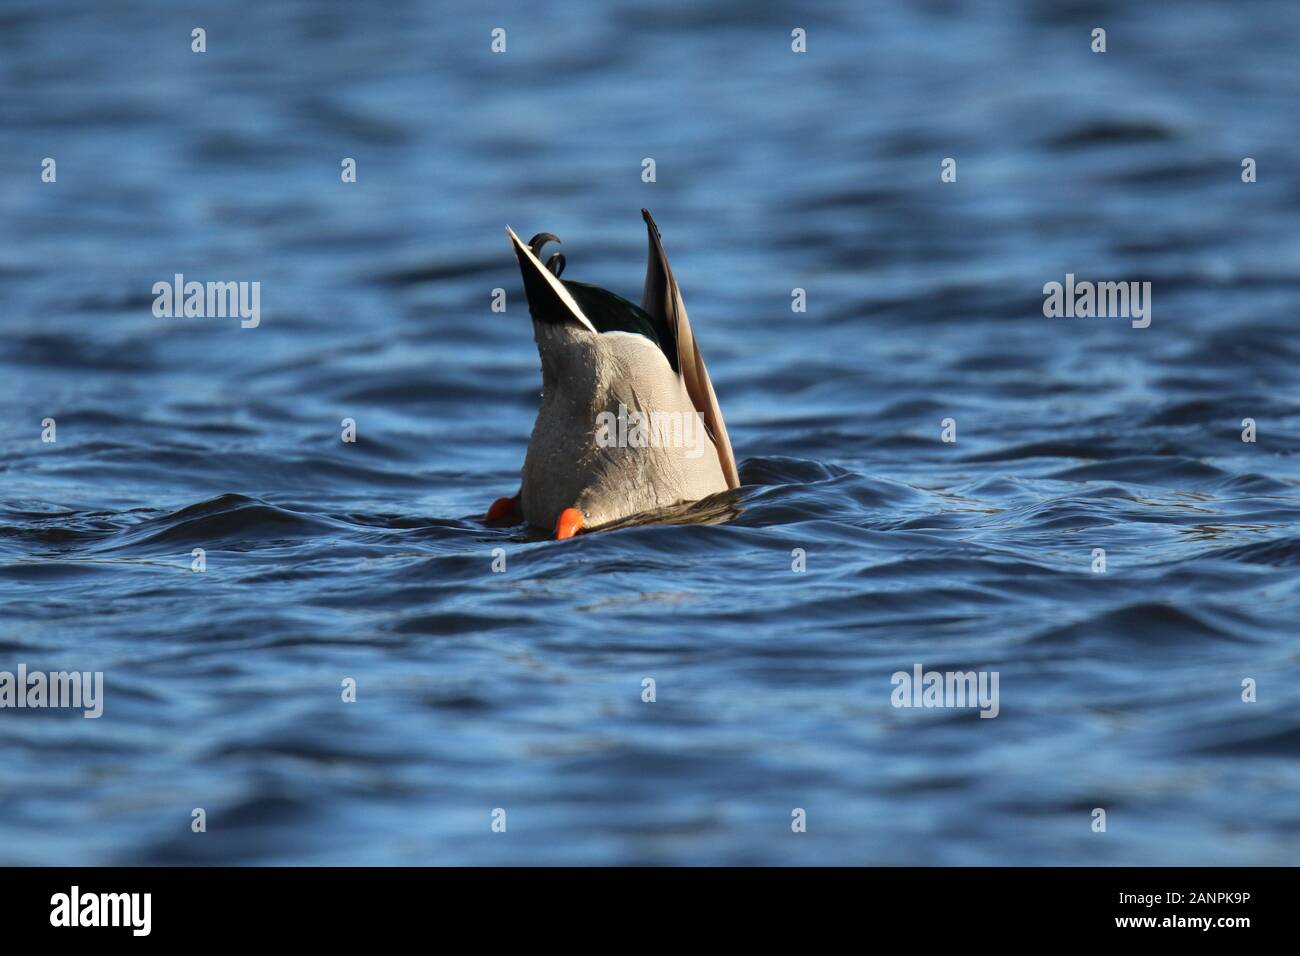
<point>503,508</point>
<point>568,524</point>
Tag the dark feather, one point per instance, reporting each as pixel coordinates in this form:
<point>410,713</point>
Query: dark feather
<point>609,312</point>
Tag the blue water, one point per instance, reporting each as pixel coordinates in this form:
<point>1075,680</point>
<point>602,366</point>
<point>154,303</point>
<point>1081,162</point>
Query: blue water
<point>522,690</point>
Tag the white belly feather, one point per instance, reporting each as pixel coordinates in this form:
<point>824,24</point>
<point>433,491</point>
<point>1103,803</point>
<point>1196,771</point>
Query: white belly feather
<point>576,460</point>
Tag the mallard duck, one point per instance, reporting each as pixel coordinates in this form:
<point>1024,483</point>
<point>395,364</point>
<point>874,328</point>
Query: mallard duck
<point>609,366</point>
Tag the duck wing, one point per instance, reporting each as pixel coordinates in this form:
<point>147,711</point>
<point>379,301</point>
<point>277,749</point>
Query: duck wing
<point>548,299</point>
<point>662,300</point>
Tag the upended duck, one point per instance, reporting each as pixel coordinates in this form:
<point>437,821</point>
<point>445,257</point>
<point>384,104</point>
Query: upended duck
<point>628,421</point>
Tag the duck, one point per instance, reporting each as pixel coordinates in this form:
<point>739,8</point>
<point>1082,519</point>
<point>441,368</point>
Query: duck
<point>629,421</point>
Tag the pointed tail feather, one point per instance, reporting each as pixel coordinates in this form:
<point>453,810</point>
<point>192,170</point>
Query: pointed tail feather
<point>547,295</point>
<point>662,299</point>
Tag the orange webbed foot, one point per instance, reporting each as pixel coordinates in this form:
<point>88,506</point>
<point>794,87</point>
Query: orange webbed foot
<point>501,508</point>
<point>568,524</point>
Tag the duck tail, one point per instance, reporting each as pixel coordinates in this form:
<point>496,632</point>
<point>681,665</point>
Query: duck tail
<point>662,299</point>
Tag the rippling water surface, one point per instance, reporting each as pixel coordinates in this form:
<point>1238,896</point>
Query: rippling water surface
<point>522,690</point>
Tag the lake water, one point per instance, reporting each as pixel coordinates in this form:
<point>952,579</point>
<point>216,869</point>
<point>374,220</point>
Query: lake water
<point>522,690</point>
